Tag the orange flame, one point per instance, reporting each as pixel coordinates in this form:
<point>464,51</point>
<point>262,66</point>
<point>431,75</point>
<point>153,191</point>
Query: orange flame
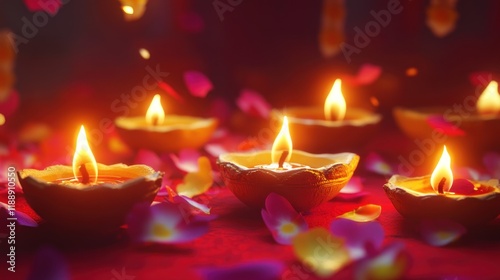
<point>128,10</point>
<point>335,106</point>
<point>155,114</point>
<point>283,142</point>
<point>83,155</point>
<point>489,101</point>
<point>442,176</point>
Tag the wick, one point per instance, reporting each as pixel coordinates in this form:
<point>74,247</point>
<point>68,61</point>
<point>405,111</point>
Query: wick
<point>155,121</point>
<point>441,185</point>
<point>85,174</point>
<point>282,159</point>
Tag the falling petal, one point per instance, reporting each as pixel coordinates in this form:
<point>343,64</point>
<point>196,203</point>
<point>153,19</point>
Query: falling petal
<point>262,270</point>
<point>439,123</point>
<point>253,104</point>
<point>198,182</point>
<point>149,158</point>
<point>200,207</point>
<point>442,17</point>
<point>361,239</point>
<point>197,83</point>
<point>10,104</point>
<point>365,213</point>
<point>391,263</point>
<point>49,6</point>
<point>375,163</point>
<point>170,91</point>
<point>492,163</point>
<point>21,218</point>
<point>321,252</point>
<point>187,160</point>
<point>281,219</point>
<point>49,264</point>
<point>441,232</point>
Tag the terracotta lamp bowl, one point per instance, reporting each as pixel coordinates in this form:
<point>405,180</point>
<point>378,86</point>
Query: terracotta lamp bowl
<point>311,132</point>
<point>414,198</point>
<point>303,187</point>
<point>96,208</point>
<point>176,133</point>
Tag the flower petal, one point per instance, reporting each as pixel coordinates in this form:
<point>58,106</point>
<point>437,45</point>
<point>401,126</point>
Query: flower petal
<point>321,252</point>
<point>361,239</point>
<point>365,213</point>
<point>368,73</point>
<point>149,158</point>
<point>252,103</point>
<point>49,6</point>
<point>375,163</point>
<point>262,270</point>
<point>187,160</point>
<point>198,182</point>
<point>353,190</point>
<point>391,263</point>
<point>49,264</point>
<point>439,123</point>
<point>170,91</point>
<point>197,83</point>
<point>441,232</point>
<point>21,218</point>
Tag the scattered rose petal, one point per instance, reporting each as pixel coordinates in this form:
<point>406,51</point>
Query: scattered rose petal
<point>170,91</point>
<point>49,264</point>
<point>215,149</point>
<point>197,83</point>
<point>252,103</point>
<point>441,232</point>
<point>392,262</point>
<point>492,163</point>
<point>361,239</point>
<point>262,270</point>
<point>365,213</point>
<point>21,218</point>
<point>192,210</point>
<point>198,182</point>
<point>375,163</point>
<point>367,74</point>
<point>187,160</point>
<point>49,6</point>
<point>149,158</point>
<point>439,123</point>
<point>162,223</point>
<point>353,189</point>
<point>321,252</point>
<point>463,187</point>
<point>281,219</point>
<point>10,104</point>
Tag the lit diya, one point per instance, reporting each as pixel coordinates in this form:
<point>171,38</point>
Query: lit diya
<point>164,133</point>
<point>133,9</point>
<point>306,180</point>
<point>473,123</point>
<point>331,128</point>
<point>440,196</point>
<point>88,196</point>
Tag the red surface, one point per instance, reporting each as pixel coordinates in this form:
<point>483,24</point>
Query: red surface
<point>239,235</point>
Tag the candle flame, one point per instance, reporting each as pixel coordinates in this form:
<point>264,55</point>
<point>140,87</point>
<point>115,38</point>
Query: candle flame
<point>83,156</point>
<point>489,101</point>
<point>155,114</point>
<point>128,10</point>
<point>442,170</point>
<point>335,106</point>
<point>283,142</point>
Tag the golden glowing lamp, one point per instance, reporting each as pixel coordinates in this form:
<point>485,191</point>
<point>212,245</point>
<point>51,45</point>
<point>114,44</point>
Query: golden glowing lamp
<point>282,143</point>
<point>335,106</point>
<point>442,176</point>
<point>488,102</point>
<point>128,10</point>
<point>155,114</point>
<point>82,158</point>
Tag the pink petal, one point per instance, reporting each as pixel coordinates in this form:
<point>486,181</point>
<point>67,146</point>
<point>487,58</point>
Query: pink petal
<point>390,263</point>
<point>279,207</point>
<point>492,163</point>
<point>49,264</point>
<point>187,160</point>
<point>49,6</point>
<point>441,232</point>
<point>365,213</point>
<point>375,163</point>
<point>170,91</point>
<point>368,73</point>
<point>149,158</point>
<point>480,78</point>
<point>262,270</point>
<point>361,239</point>
<point>197,83</point>
<point>10,105</point>
<point>252,103</point>
<point>353,190</point>
<point>438,122</point>
<point>22,218</point>
<point>215,149</point>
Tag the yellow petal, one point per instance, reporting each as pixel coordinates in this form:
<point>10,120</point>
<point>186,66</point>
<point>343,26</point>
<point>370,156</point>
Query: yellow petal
<point>365,213</point>
<point>320,251</point>
<point>198,182</point>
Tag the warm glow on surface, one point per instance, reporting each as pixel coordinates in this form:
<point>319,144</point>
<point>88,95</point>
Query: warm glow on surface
<point>128,10</point>
<point>83,156</point>
<point>155,114</point>
<point>144,53</point>
<point>442,170</point>
<point>489,101</point>
<point>283,142</point>
<point>2,119</point>
<point>335,106</point>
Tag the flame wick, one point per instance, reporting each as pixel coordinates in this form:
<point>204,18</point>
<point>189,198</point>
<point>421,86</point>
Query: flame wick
<point>441,185</point>
<point>85,174</point>
<point>282,159</point>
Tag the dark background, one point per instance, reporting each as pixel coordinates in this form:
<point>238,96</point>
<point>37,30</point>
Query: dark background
<point>86,56</point>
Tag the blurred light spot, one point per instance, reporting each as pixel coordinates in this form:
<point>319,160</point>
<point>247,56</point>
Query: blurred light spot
<point>411,72</point>
<point>128,10</point>
<point>374,101</point>
<point>2,119</point>
<point>144,53</point>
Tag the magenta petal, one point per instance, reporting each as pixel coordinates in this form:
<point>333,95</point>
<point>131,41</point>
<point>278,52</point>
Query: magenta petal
<point>49,6</point>
<point>439,123</point>
<point>354,185</point>
<point>492,163</point>
<point>187,160</point>
<point>368,73</point>
<point>262,270</point>
<point>170,91</point>
<point>252,103</point>
<point>22,218</point>
<point>49,264</point>
<point>375,163</point>
<point>197,83</point>
<point>278,206</point>
<point>392,262</point>
<point>190,231</point>
<point>149,158</point>
<point>9,106</point>
<point>441,232</point>
<point>361,239</point>
<point>215,149</point>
